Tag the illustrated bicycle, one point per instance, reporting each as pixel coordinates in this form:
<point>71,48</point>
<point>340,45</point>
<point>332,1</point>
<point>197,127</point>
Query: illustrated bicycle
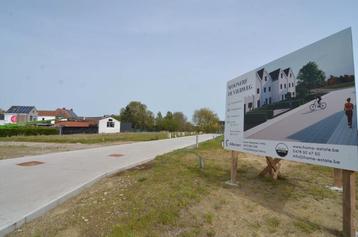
<point>316,105</point>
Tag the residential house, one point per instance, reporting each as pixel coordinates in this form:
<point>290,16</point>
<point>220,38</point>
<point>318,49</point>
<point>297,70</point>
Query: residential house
<point>59,114</point>
<point>20,114</point>
<point>271,87</point>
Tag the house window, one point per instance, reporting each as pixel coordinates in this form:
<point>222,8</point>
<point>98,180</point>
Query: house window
<point>264,89</point>
<point>269,88</point>
<point>258,90</point>
<point>266,101</point>
<point>290,74</point>
<point>270,100</point>
<point>265,78</point>
<point>289,85</point>
<point>281,75</point>
<point>258,103</point>
<point>285,85</point>
<point>280,86</point>
<point>293,93</point>
<point>110,123</point>
<point>43,119</point>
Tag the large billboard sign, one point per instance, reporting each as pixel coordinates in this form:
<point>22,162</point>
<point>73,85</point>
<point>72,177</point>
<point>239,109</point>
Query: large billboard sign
<point>300,107</point>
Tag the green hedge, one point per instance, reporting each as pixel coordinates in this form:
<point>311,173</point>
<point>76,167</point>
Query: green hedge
<point>253,119</point>
<point>26,131</point>
<point>313,96</point>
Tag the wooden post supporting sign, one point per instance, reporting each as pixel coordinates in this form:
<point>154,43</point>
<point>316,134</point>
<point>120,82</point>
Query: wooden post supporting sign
<point>337,174</point>
<point>234,156</point>
<point>349,203</point>
<point>272,168</point>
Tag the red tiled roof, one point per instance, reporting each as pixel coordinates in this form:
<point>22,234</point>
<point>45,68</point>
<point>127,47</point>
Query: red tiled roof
<point>65,113</point>
<point>47,113</point>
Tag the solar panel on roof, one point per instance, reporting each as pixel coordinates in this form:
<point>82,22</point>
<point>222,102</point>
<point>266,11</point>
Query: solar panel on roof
<point>20,109</point>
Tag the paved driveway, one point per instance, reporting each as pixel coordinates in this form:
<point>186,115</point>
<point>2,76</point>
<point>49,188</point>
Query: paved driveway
<point>29,191</point>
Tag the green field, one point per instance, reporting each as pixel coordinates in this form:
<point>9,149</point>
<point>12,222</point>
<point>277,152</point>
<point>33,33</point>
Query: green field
<point>90,138</point>
<point>340,85</point>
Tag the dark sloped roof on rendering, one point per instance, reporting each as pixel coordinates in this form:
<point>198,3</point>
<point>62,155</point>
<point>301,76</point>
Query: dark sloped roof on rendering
<point>274,74</point>
<point>287,70</point>
<point>20,109</point>
<point>260,73</point>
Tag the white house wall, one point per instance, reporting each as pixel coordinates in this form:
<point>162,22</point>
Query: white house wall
<point>47,118</point>
<point>102,126</point>
<point>7,118</point>
<point>275,93</point>
<point>266,84</point>
<point>291,80</point>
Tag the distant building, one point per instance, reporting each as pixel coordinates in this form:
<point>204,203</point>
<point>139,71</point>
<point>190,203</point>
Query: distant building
<point>105,124</point>
<point>20,114</point>
<point>57,114</point>
<point>76,127</point>
<point>271,87</point>
<point>2,119</point>
<point>109,125</point>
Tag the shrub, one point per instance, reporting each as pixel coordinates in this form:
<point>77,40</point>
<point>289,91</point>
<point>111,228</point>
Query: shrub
<point>26,131</point>
<point>255,118</point>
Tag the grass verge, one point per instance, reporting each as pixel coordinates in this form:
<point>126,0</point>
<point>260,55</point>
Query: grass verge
<point>90,138</point>
<point>172,196</point>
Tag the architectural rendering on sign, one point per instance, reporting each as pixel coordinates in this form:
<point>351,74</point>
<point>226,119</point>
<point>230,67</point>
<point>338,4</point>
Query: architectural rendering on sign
<point>271,87</point>
<point>304,101</point>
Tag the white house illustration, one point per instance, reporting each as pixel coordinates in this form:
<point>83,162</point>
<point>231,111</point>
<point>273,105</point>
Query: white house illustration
<point>271,87</point>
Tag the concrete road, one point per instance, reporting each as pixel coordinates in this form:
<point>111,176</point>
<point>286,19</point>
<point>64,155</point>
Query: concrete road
<point>26,192</point>
<point>319,126</point>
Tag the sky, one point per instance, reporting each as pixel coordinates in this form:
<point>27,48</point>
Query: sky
<point>97,56</point>
<point>333,55</point>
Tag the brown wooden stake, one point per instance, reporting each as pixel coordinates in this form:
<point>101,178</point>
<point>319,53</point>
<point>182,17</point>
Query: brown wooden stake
<point>349,203</point>
<point>234,156</point>
<point>337,174</point>
<point>272,168</point>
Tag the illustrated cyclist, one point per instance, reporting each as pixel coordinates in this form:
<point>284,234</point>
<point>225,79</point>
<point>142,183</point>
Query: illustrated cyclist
<point>319,98</point>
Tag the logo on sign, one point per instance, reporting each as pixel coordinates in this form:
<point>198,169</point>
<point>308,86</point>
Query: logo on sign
<point>281,150</point>
<point>13,119</point>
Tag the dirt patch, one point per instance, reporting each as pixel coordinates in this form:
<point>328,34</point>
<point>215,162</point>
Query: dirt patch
<point>116,155</point>
<point>30,163</point>
<point>10,150</point>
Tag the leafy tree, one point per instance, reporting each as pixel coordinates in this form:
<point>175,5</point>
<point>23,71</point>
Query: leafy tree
<point>137,114</point>
<point>206,120</point>
<point>180,121</point>
<point>159,122</point>
<point>169,123</point>
<point>309,77</point>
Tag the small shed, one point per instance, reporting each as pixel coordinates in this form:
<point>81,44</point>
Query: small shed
<point>109,125</point>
